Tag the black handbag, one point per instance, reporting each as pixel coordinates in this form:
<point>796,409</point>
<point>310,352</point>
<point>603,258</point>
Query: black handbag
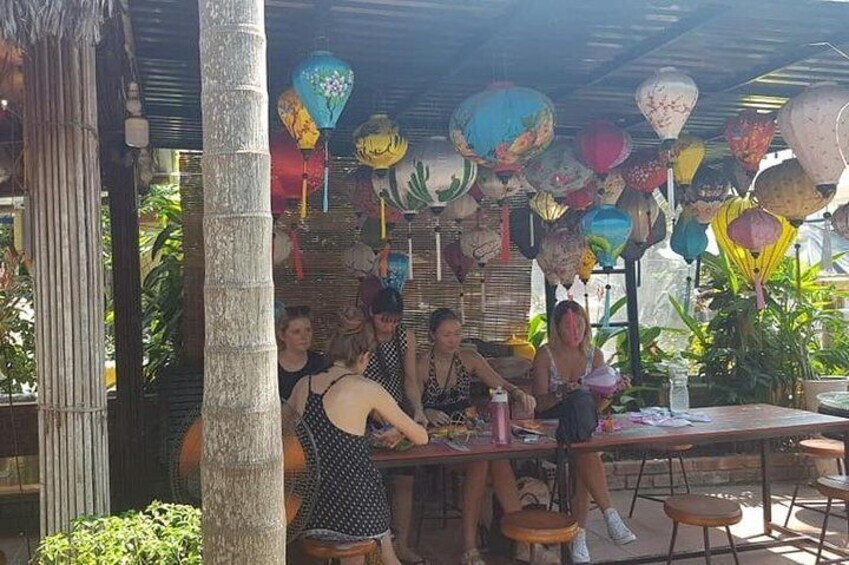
<point>578,415</point>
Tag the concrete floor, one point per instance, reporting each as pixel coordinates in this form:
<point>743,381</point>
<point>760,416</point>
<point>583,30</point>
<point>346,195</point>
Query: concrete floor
<point>653,529</point>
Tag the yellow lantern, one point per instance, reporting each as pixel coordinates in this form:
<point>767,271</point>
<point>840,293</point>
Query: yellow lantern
<point>767,260</point>
<point>587,265</point>
<point>378,143</point>
<point>521,348</point>
<point>297,121</point>
<point>546,207</point>
<point>688,153</point>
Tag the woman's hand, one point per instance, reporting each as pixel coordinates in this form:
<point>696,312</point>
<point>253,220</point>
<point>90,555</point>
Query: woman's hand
<point>419,417</point>
<point>437,417</point>
<point>526,401</point>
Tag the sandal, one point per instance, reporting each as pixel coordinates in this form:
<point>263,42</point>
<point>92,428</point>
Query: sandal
<point>472,557</point>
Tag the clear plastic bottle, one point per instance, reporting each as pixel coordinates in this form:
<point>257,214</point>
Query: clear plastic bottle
<point>679,393</point>
<point>499,407</point>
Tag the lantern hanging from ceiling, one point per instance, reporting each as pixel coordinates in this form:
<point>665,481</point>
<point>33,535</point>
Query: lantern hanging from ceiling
<point>606,230</point>
<point>610,189</point>
<point>557,170</point>
<point>547,208</point>
<point>397,270</point>
<point>359,260</point>
<point>286,171</point>
<point>378,143</point>
<point>634,251</point>
<point>371,236</point>
<point>666,99</point>
<point>520,231</point>
<point>740,179</point>
<point>560,255</point>
<point>689,240</point>
<point>281,246</point>
<point>583,198</point>
<point>461,208</point>
<point>840,220</point>
<point>687,155</point>
<point>749,135</point>
<point>301,127</point>
<point>643,210</point>
<point>816,127</point>
<point>365,201</point>
<point>482,245</point>
<point>503,127</point>
<point>644,171</point>
<point>756,267</point>
<point>588,264</point>
<point>436,175</point>
<point>710,188</point>
<point>602,146</point>
<point>499,190</point>
<point>324,84</point>
<point>398,194</point>
<point>787,190</point>
<point>461,265</point>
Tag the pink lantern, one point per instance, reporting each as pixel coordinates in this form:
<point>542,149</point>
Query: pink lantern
<point>644,171</point>
<point>584,198</point>
<point>603,146</point>
<point>754,229</point>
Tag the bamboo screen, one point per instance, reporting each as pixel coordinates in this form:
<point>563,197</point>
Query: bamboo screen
<point>326,287</point>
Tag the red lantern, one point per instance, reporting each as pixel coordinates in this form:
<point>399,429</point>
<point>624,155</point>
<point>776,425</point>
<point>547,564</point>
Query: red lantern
<point>602,146</point>
<point>365,201</point>
<point>583,198</point>
<point>754,229</point>
<point>644,171</point>
<point>749,135</point>
<point>287,170</point>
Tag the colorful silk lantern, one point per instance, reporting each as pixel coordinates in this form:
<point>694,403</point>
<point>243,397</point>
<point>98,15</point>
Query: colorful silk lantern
<point>324,84</point>
<point>644,171</point>
<point>546,207</point>
<point>461,265</point>
<point>436,175</point>
<point>503,127</point>
<point>560,255</point>
<point>606,230</point>
<point>461,208</point>
<point>558,170</point>
<point>398,194</point>
<point>787,190</point>
<point>840,220</point>
<point>643,210</point>
<point>359,260</point>
<point>397,270</point>
<point>588,264</point>
<point>378,143</point>
<point>634,251</point>
<point>520,231</point>
<point>602,146</point>
<point>689,240</point>
<point>499,190</point>
<point>666,99</point>
<point>583,198</point>
<point>740,179</point>
<point>749,135</point>
<point>687,154</point>
<point>756,267</point>
<point>610,189</point>
<point>300,125</point>
<point>815,125</point>
<point>286,171</point>
<point>710,188</point>
<point>482,245</point>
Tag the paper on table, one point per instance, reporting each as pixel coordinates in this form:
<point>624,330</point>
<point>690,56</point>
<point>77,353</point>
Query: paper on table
<point>659,416</point>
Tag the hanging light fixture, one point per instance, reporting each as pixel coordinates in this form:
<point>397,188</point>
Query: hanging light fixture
<point>787,190</point>
<point>297,121</point>
<point>603,146</point>
<point>687,155</point>
<point>378,143</point>
<point>136,126</point>
<point>749,135</point>
<point>482,244</point>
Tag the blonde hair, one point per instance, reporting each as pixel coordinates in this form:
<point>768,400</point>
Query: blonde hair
<point>562,308</point>
<point>353,337</point>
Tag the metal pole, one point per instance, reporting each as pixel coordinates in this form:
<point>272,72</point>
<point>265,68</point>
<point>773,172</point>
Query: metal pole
<point>633,321</point>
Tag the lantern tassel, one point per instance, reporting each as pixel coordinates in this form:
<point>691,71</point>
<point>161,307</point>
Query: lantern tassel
<point>505,231</point>
<point>687,294</point>
<point>698,271</point>
<point>759,291</point>
<point>438,235</point>
<point>304,177</point>
<point>483,291</point>
<point>325,203</point>
<point>586,301</point>
<point>827,262</point>
<point>297,259</point>
<point>531,227</point>
<point>410,250</point>
<point>382,218</point>
<point>383,260</point>
<point>670,191</point>
<point>798,247</point>
<point>462,308</point>
<point>605,321</point>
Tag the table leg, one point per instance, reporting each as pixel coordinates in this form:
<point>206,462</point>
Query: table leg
<point>766,493</point>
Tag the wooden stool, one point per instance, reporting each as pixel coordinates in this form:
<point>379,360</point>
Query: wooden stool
<point>332,551</point>
<point>539,527</point>
<point>704,511</point>
<point>821,448</point>
<point>669,452</point>
<point>831,487</point>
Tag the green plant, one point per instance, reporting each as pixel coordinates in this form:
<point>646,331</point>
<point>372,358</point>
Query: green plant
<point>163,534</point>
<point>538,330</point>
<point>17,324</point>
<point>750,355</point>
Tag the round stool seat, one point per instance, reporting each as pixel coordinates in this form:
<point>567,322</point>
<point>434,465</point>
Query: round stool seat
<point>660,448</point>
<point>701,510</point>
<point>539,526</point>
<point>822,447</point>
<point>329,549</point>
<point>834,486</point>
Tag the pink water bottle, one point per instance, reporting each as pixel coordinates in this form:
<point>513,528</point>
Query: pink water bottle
<point>499,407</point>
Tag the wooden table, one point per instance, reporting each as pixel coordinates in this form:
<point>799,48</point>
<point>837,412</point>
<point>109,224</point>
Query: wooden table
<point>749,423</point>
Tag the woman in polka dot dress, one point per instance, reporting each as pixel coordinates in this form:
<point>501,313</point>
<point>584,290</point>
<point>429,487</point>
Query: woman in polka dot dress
<point>335,404</point>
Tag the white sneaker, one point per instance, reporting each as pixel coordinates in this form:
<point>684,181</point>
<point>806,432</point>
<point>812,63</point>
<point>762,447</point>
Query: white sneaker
<point>542,556</point>
<point>579,549</point>
<point>616,528</point>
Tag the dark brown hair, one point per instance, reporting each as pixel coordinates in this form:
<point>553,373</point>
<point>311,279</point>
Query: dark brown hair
<point>439,317</point>
<point>352,338</point>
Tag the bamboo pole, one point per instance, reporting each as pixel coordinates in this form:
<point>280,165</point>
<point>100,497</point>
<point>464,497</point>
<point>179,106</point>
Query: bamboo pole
<point>64,177</point>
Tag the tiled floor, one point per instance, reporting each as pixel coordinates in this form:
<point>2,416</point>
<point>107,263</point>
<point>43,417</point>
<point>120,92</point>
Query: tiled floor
<point>653,529</point>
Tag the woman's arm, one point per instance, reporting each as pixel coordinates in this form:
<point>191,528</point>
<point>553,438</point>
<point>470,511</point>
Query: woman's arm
<point>298,400</point>
<point>412,383</point>
<point>385,405</point>
<point>484,371</point>
<point>541,371</point>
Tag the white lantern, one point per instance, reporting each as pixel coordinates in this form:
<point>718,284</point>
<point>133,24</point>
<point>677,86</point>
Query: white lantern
<point>560,256</point>
<point>461,208</point>
<point>493,187</point>
<point>481,244</point>
<point>281,246</point>
<point>359,260</point>
<point>814,128</point>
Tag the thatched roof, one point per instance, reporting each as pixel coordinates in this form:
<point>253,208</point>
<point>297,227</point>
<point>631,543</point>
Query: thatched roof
<point>28,21</point>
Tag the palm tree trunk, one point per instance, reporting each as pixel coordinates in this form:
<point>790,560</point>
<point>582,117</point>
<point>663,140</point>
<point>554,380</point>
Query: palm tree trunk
<point>241,471</point>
